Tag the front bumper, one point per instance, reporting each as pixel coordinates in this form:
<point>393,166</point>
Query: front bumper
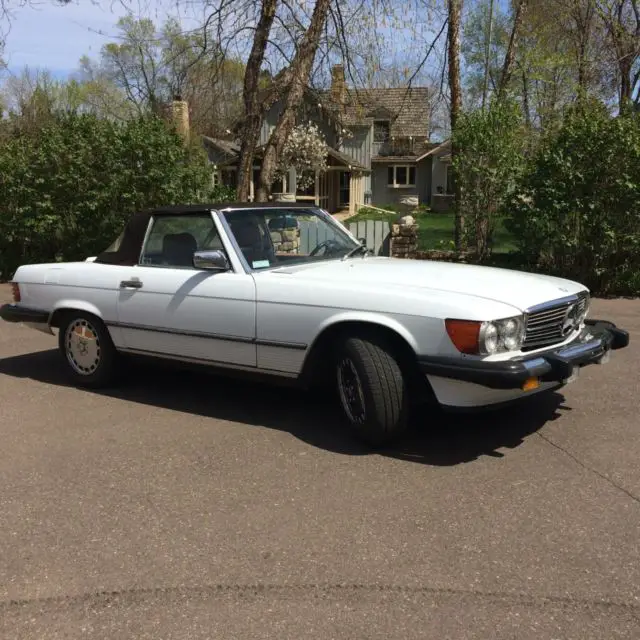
<point>16,313</point>
<point>557,365</point>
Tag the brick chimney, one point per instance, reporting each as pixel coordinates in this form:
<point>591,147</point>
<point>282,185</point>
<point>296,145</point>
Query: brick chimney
<point>338,85</point>
<point>179,115</point>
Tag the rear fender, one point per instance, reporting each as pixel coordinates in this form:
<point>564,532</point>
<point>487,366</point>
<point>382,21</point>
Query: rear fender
<point>72,305</point>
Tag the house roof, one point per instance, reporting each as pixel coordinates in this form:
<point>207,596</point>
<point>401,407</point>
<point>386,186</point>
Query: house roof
<point>345,159</point>
<point>232,150</point>
<point>227,147</point>
<point>443,148</point>
<point>407,108</point>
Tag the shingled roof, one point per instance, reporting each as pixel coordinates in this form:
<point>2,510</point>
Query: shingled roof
<point>406,108</point>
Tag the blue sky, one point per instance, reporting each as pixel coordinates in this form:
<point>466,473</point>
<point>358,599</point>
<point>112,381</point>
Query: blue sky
<point>55,37</point>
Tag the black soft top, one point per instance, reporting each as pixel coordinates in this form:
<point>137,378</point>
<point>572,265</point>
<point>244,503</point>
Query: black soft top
<point>128,251</point>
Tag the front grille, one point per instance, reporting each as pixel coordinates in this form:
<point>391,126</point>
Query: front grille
<point>545,327</point>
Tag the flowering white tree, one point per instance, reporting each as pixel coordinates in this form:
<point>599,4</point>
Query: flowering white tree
<point>305,151</point>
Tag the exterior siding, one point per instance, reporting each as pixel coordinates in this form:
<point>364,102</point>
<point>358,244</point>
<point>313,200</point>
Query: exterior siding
<point>307,113</point>
<point>439,202</point>
<point>423,178</point>
<point>383,194</point>
<point>439,175</point>
<point>359,148</point>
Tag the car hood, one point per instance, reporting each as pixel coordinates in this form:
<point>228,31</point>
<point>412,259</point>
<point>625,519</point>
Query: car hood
<point>516,288</point>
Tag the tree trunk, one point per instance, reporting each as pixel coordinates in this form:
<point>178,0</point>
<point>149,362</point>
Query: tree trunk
<point>525,98</point>
<point>252,104</point>
<point>510,56</point>
<point>487,56</point>
<point>455,10</point>
<point>300,70</point>
<point>626,102</point>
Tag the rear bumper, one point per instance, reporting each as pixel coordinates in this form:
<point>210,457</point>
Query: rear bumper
<point>16,313</point>
<point>554,366</point>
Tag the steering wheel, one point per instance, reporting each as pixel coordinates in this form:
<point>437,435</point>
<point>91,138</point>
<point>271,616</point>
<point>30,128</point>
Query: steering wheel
<point>327,247</point>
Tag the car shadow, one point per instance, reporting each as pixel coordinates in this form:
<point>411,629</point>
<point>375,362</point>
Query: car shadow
<point>437,438</point>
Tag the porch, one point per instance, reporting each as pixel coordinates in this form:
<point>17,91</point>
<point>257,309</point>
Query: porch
<point>340,188</point>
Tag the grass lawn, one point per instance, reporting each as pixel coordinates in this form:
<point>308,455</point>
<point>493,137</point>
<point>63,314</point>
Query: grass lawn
<point>436,230</point>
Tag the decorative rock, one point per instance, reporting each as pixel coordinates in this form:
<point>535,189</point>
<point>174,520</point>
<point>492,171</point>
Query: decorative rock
<point>410,201</point>
<point>407,221</point>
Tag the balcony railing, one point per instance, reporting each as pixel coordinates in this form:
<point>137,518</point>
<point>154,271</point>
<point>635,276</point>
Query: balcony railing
<point>393,148</point>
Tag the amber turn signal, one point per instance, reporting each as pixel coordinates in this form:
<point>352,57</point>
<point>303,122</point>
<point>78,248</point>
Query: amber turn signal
<point>464,334</point>
<point>15,289</point>
<point>530,384</point>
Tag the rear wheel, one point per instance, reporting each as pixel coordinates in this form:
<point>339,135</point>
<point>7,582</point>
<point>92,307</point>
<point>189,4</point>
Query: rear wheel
<point>373,390</point>
<point>87,349</point>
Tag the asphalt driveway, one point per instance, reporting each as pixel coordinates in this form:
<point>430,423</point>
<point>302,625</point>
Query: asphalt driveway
<point>185,505</point>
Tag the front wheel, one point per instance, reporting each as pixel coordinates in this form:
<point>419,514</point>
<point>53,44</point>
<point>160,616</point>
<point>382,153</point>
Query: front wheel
<point>373,390</point>
<point>87,349</point>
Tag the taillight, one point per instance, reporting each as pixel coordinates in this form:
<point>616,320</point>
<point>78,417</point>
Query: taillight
<point>15,289</point>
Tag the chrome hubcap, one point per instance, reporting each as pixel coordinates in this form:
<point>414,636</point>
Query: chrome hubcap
<point>83,347</point>
<point>351,394</point>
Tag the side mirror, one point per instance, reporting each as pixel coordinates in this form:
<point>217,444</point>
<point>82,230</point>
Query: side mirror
<point>211,260</point>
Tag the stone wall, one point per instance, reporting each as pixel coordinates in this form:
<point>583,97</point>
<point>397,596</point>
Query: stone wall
<point>404,238</point>
<point>286,240</point>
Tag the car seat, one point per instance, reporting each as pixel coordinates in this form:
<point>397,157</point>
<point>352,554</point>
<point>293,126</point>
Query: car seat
<point>254,244</point>
<point>178,249</point>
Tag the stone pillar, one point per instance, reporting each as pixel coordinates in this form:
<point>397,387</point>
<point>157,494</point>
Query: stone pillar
<point>404,238</point>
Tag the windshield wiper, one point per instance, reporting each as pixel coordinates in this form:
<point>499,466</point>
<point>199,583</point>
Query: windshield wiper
<point>355,250</point>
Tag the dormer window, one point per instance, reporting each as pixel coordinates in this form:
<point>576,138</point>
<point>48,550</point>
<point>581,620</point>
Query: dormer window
<point>381,131</point>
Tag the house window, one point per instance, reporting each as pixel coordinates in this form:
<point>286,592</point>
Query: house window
<point>381,131</point>
<point>401,176</point>
<point>230,177</point>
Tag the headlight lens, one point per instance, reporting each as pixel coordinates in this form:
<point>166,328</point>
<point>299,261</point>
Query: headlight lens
<point>501,335</point>
<point>486,338</point>
<point>583,309</point>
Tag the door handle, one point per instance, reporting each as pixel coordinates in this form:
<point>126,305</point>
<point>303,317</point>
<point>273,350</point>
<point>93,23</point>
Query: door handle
<point>131,284</point>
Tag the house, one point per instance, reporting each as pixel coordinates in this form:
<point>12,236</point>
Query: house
<point>378,153</point>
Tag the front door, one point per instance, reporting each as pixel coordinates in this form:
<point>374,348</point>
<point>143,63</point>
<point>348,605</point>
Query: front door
<point>167,307</point>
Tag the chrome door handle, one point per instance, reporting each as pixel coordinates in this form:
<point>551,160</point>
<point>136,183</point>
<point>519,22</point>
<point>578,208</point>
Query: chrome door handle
<point>131,284</point>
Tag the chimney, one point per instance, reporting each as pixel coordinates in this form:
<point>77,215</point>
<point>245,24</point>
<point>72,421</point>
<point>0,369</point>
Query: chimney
<point>338,85</point>
<point>179,114</point>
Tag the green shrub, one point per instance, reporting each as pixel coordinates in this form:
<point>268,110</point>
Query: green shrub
<point>576,213</point>
<point>67,188</point>
<point>223,193</point>
<point>488,161</point>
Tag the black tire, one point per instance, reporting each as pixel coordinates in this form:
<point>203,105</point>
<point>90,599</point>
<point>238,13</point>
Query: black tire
<point>377,407</point>
<point>96,367</point>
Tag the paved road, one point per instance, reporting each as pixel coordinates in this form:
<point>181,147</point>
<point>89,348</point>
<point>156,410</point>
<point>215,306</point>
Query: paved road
<point>187,506</point>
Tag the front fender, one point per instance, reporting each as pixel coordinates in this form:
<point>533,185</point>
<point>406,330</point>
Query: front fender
<point>371,318</point>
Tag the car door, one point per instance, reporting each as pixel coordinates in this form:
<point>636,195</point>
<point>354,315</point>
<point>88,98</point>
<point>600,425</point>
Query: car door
<point>167,307</point>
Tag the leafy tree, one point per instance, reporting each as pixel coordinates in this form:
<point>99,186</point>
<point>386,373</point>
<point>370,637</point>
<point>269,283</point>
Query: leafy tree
<point>151,66</point>
<point>488,164</point>
<point>577,211</point>
<point>67,188</point>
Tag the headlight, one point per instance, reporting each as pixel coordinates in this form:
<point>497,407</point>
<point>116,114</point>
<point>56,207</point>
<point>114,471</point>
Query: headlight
<point>583,308</point>
<point>486,338</point>
<point>501,335</point>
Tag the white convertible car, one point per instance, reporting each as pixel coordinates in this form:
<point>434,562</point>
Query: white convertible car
<point>285,290</point>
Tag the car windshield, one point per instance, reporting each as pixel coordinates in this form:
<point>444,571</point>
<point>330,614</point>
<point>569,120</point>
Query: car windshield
<point>274,237</point>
